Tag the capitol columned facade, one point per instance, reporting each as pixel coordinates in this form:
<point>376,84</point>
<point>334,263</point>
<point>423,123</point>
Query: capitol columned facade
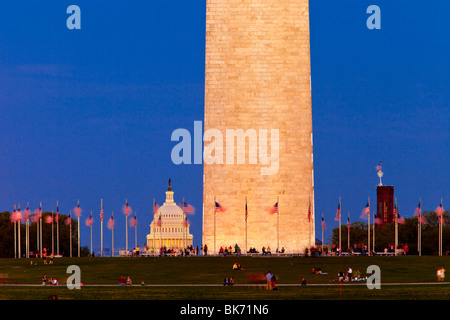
<point>170,228</point>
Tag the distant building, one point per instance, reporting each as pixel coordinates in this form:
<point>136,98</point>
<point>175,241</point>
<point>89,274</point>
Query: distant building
<point>385,204</point>
<point>169,228</point>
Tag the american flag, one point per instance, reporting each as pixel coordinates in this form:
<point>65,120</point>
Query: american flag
<point>378,167</point>
<point>26,214</point>
<point>348,223</point>
<point>378,221</point>
<point>309,212</point>
<point>127,209</point>
<point>218,207</point>
<point>111,223</point>
<point>133,222</point>
<point>89,221</point>
<point>440,213</point>
<point>37,215</point>
<point>101,214</point>
<point>48,218</point>
<point>57,214</point>
<point>77,210</point>
<point>274,208</point>
<point>323,223</point>
<point>439,210</point>
<point>68,220</point>
<point>158,223</point>
<point>418,211</point>
<point>400,219</point>
<point>186,222</point>
<point>155,208</point>
<point>187,208</point>
<point>366,211</point>
<point>246,210</point>
<point>15,216</point>
<point>338,213</point>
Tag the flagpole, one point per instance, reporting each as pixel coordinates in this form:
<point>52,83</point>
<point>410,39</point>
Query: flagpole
<point>40,231</point>
<point>90,218</point>
<point>79,236</point>
<point>79,240</point>
<point>373,231</point>
<point>57,228</point>
<point>126,230</point>
<point>396,227</point>
<point>340,244</point>
<point>215,209</point>
<point>440,232</point>
<point>278,224</point>
<point>368,228</point>
<point>53,236</point>
<point>154,229</point>
<point>19,223</point>
<point>101,227</point>
<point>135,230</point>
<point>15,232</point>
<point>27,233</point>
<point>160,230</point>
<point>112,234</point>
<point>419,237</point>
<point>184,228</point>
<point>348,231</point>
<point>309,224</point>
<point>246,214</point>
<point>322,231</point>
<point>70,232</point>
<point>37,234</point>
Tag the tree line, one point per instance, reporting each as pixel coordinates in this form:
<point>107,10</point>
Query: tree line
<point>7,236</point>
<point>407,235</point>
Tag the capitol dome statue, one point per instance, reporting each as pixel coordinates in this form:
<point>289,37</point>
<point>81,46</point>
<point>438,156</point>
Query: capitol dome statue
<point>170,228</point>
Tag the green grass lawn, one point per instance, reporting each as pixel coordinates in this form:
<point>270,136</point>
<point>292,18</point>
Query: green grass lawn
<point>212,270</point>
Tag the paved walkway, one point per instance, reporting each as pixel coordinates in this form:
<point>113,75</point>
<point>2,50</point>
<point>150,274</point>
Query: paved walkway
<point>361,283</point>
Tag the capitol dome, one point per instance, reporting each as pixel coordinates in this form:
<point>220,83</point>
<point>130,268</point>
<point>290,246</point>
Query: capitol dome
<point>169,228</point>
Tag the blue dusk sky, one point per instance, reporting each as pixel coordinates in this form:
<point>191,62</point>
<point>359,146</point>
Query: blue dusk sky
<point>88,114</point>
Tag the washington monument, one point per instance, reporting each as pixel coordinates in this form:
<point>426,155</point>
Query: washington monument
<point>258,100</point>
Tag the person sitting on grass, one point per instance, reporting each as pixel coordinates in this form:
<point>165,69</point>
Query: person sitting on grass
<point>237,266</point>
<point>303,282</point>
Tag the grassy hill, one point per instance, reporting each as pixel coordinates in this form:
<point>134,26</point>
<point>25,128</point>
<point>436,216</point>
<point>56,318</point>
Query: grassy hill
<point>207,271</point>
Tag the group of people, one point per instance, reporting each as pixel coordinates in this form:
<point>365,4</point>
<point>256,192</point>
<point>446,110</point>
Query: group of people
<point>440,274</point>
<point>237,266</point>
<point>271,281</point>
<point>51,281</point>
<point>228,281</point>
<point>318,271</point>
<point>125,281</point>
<point>229,250</point>
<point>350,275</point>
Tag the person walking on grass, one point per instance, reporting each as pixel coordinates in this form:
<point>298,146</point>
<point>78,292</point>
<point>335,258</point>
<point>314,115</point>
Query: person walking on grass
<point>269,280</point>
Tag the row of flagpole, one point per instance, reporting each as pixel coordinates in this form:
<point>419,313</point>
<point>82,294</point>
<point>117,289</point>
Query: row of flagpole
<point>273,210</point>
<point>17,219</point>
<point>397,219</point>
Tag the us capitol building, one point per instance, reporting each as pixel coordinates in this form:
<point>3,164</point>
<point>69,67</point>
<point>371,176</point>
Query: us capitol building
<point>170,227</point>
